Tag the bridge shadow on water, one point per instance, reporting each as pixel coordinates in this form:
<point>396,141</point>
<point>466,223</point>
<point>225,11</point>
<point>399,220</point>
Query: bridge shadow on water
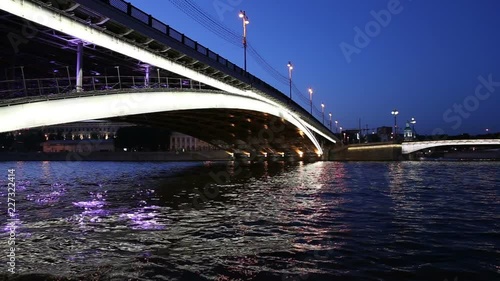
<point>197,186</point>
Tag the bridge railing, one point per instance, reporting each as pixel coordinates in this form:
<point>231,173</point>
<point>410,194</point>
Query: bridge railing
<point>11,89</point>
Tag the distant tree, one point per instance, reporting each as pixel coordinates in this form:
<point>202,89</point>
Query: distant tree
<point>29,140</point>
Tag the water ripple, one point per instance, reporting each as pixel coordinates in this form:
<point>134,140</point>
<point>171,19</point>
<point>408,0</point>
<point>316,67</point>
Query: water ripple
<point>318,221</point>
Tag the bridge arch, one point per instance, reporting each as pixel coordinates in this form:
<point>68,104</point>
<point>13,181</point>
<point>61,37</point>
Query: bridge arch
<point>106,105</point>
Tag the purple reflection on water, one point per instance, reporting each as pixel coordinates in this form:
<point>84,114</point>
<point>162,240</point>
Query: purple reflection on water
<point>144,218</point>
<point>53,196</point>
<point>11,225</point>
<point>46,198</point>
<point>89,204</point>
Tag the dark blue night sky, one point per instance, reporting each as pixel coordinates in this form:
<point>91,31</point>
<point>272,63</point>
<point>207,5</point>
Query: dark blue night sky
<point>426,60</point>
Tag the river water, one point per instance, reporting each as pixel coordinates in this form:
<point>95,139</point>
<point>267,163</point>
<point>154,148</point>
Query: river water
<point>214,221</point>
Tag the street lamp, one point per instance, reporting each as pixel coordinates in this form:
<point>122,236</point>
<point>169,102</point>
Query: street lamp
<point>290,68</point>
<point>323,112</point>
<point>244,18</point>
<point>330,122</point>
<point>311,99</point>
<point>337,126</point>
<point>413,121</point>
<point>395,112</point>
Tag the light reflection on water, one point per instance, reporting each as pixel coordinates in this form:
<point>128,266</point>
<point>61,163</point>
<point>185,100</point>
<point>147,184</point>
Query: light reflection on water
<point>317,221</point>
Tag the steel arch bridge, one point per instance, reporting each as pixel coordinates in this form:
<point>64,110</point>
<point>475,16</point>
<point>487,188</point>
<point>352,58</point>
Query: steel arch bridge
<point>238,123</point>
<point>231,107</point>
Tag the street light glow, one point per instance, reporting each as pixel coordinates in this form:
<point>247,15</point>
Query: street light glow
<point>290,67</point>
<point>311,99</point>
<point>413,122</point>
<point>244,17</point>
<point>395,112</point>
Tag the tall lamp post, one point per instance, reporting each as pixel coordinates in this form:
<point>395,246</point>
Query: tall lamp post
<point>290,68</point>
<point>395,112</point>
<point>413,121</point>
<point>119,78</point>
<point>336,126</point>
<point>330,121</point>
<point>311,99</point>
<point>244,18</point>
<point>323,112</point>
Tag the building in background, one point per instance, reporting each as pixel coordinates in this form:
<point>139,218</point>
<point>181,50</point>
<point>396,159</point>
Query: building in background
<point>384,133</point>
<point>81,146</point>
<point>408,133</point>
<point>181,142</point>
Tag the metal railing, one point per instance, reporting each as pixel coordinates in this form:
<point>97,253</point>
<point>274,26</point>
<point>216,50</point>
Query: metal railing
<point>12,89</point>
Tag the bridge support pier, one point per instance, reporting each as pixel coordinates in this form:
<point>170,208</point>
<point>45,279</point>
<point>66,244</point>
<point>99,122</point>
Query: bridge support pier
<point>79,67</point>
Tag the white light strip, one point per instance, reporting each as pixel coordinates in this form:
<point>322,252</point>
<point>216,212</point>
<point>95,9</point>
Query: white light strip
<point>68,110</point>
<point>61,23</point>
<point>410,147</point>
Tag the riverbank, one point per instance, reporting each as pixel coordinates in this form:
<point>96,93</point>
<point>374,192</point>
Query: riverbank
<point>217,155</point>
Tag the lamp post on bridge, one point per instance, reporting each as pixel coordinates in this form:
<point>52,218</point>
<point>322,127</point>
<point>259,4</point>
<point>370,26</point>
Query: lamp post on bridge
<point>290,68</point>
<point>330,122</point>
<point>244,18</point>
<point>395,112</point>
<point>311,99</point>
<point>336,126</point>
<point>323,112</point>
<point>413,121</point>
<point>119,78</point>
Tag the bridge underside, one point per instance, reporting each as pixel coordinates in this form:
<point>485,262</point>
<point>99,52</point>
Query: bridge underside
<point>231,129</point>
